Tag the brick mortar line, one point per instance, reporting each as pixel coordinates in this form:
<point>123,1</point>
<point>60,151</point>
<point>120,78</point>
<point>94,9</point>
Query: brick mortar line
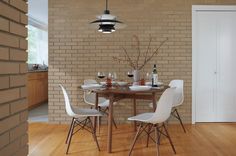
<point>13,48</point>
<point>15,7</point>
<point>8,102</point>
<point>13,87</point>
<point>4,46</point>
<point>5,75</point>
<point>2,75</point>
<point>13,115</point>
<point>13,61</point>
<point>8,32</point>
<point>13,20</point>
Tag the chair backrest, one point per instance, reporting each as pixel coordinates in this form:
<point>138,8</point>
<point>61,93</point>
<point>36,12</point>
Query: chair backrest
<point>179,96</point>
<point>164,106</point>
<point>69,108</point>
<point>89,97</point>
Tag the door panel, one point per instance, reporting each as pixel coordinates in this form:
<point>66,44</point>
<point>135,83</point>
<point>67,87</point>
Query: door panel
<point>226,77</point>
<point>206,66</point>
<point>216,63</point>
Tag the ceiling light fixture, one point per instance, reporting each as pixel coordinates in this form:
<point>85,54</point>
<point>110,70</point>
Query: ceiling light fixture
<point>107,23</point>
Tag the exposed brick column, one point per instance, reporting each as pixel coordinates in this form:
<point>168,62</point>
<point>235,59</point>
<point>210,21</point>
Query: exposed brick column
<point>13,69</point>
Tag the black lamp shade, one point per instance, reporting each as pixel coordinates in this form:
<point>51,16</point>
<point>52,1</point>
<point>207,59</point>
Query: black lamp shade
<point>106,28</point>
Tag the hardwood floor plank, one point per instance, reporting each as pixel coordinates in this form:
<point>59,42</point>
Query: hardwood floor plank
<point>213,139</point>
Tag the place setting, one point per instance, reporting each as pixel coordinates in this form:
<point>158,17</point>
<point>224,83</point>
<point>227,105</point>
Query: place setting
<point>109,81</point>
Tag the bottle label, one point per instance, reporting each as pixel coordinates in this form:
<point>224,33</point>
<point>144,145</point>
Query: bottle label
<point>155,79</point>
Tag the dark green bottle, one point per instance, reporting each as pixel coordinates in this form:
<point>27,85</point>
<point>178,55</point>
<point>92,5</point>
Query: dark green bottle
<point>154,76</point>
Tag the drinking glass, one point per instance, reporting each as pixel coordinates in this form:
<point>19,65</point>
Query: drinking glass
<point>130,74</point>
<point>101,75</point>
<point>114,76</point>
<point>109,79</point>
<point>148,77</point>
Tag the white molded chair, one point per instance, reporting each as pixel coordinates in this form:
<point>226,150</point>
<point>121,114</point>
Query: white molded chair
<point>156,120</point>
<point>178,99</point>
<point>80,117</point>
<point>103,103</point>
<point>90,98</point>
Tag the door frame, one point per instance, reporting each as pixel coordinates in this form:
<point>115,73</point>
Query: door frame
<point>195,9</point>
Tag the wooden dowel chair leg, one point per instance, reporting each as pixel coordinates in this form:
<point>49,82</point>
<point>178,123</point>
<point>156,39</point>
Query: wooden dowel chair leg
<point>157,139</point>
<point>114,123</point>
<point>168,136</point>
<point>135,139</point>
<point>69,130</point>
<point>159,132</point>
<point>99,124</point>
<point>180,120</point>
<point>94,133</point>
<point>148,135</point>
<point>70,136</point>
<point>99,121</point>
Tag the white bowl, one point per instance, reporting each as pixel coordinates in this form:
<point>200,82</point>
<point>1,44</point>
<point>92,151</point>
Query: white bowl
<point>120,83</point>
<point>140,88</point>
<point>104,82</point>
<point>91,86</point>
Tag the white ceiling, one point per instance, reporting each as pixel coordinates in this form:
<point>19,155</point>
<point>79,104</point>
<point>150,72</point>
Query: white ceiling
<point>38,10</point>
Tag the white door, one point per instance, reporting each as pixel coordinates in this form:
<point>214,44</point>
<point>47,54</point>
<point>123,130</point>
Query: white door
<point>226,65</point>
<point>214,65</point>
<point>206,67</point>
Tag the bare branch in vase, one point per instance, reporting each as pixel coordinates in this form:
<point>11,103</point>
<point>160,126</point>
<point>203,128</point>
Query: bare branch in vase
<point>135,65</point>
<point>153,54</point>
<point>138,49</point>
<point>149,44</point>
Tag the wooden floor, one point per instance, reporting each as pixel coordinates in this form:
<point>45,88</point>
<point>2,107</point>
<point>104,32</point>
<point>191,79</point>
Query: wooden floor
<point>218,139</point>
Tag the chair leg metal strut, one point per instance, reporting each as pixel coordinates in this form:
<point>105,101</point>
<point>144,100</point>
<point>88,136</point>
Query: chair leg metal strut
<point>69,130</point>
<point>150,129</point>
<point>175,114</point>
<point>104,111</point>
<point>85,124</point>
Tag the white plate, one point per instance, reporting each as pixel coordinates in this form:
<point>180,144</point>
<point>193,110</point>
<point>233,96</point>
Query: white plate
<point>140,88</point>
<point>150,83</point>
<point>120,83</point>
<point>91,86</point>
<point>104,83</point>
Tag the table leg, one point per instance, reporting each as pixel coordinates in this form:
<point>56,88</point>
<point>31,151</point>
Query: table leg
<point>96,107</point>
<point>154,101</point>
<point>110,117</point>
<point>134,113</point>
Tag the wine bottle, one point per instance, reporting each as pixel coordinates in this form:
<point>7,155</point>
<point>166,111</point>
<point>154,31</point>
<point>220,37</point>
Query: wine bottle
<point>154,76</point>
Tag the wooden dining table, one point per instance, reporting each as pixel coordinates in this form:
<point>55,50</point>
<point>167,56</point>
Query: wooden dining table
<point>116,93</point>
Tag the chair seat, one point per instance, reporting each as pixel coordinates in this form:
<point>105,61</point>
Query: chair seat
<point>86,112</point>
<point>104,104</point>
<point>141,117</point>
<point>101,104</point>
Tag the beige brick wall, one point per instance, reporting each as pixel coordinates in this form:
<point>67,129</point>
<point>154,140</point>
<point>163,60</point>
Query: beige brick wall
<point>77,52</point>
<point>13,95</point>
